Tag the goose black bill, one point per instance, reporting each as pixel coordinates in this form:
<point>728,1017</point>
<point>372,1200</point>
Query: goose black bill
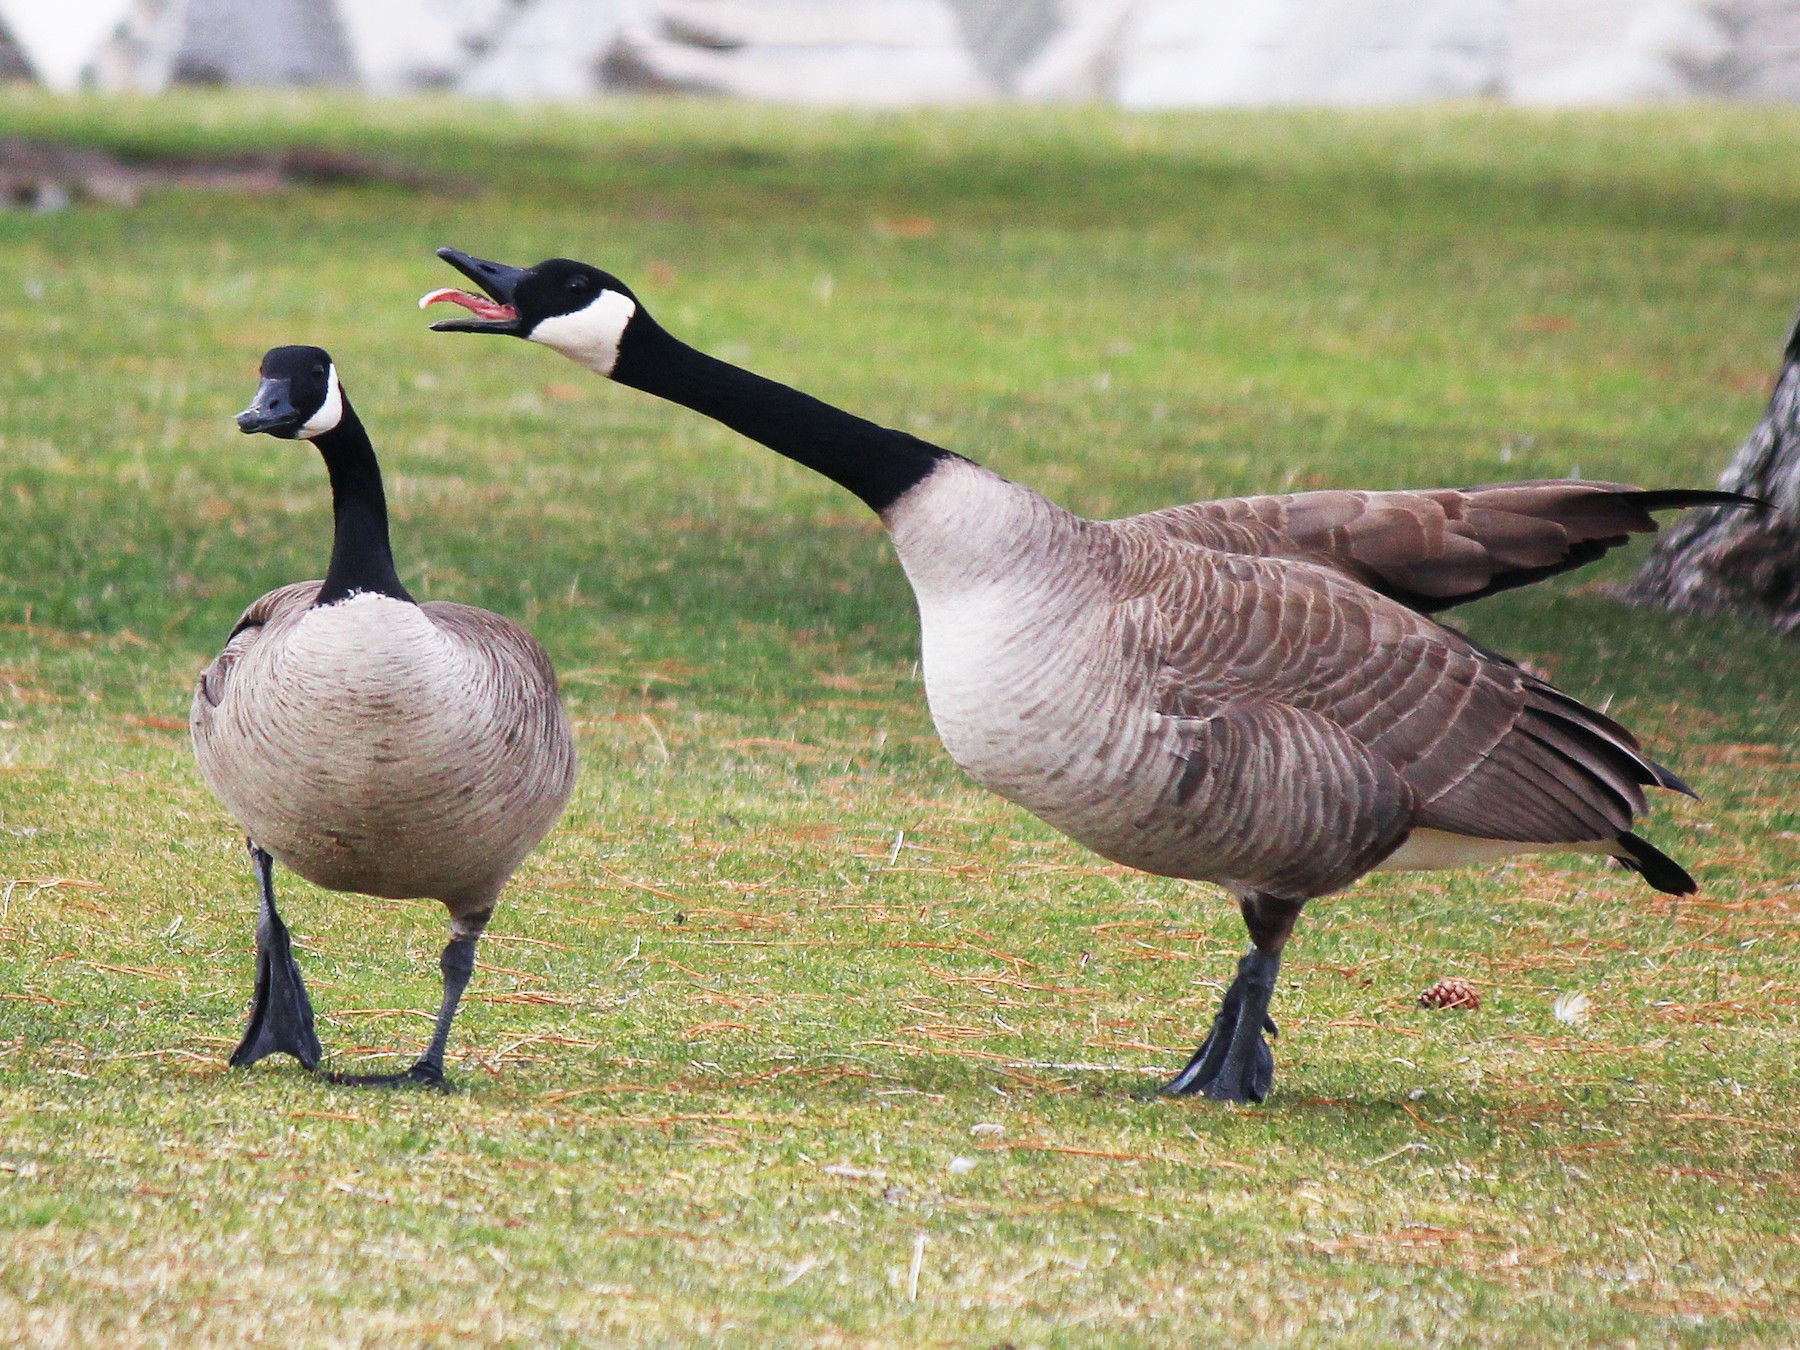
<point>491,312</point>
<point>272,411</point>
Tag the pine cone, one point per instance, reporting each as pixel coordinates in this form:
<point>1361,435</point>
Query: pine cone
<point>1452,992</point>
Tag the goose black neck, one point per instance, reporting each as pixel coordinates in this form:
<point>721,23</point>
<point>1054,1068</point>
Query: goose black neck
<point>362,561</point>
<point>875,462</point>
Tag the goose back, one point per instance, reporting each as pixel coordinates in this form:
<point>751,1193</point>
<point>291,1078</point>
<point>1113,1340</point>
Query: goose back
<point>383,747</point>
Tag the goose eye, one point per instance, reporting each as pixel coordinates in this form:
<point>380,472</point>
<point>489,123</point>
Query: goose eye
<point>578,284</point>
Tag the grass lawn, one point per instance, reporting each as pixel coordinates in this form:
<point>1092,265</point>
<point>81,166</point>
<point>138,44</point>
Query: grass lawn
<point>788,1035</point>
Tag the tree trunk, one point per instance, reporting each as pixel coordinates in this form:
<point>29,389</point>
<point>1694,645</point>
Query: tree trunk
<point>1730,558</point>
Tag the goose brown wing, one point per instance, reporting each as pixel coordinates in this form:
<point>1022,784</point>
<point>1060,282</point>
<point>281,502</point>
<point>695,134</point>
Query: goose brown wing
<point>1484,749</point>
<point>1275,793</point>
<point>1283,799</point>
<point>1431,550</point>
<point>512,680</point>
<point>282,603</point>
<point>516,658</point>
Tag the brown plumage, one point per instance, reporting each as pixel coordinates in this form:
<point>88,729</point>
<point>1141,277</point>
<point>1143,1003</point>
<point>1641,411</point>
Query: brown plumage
<point>1483,748</point>
<point>1437,548</point>
<point>1228,703</point>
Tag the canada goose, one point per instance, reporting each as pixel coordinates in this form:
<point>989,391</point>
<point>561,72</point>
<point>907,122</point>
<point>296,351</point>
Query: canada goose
<point>1246,692</point>
<point>369,742</point>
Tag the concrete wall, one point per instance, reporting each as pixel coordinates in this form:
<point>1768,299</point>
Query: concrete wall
<point>158,43</point>
<point>14,68</point>
<point>1177,53</point>
<point>1212,53</point>
<point>1139,53</point>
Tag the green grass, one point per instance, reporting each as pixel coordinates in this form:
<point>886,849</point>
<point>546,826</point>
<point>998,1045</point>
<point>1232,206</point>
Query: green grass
<point>729,1042</point>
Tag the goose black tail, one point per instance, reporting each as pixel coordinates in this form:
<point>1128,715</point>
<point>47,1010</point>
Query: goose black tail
<point>1655,866</point>
<point>1665,778</point>
<point>1665,499</point>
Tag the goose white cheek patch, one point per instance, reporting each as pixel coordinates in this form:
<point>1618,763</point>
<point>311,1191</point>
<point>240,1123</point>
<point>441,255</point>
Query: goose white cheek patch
<point>589,337</point>
<point>331,411</point>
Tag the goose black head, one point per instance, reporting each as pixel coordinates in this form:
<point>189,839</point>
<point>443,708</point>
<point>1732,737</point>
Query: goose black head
<point>575,309</point>
<point>299,397</point>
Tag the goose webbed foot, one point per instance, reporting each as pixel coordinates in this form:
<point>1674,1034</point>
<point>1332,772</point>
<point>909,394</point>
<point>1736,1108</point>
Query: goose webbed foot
<point>424,1073</point>
<point>281,1015</point>
<point>457,964</point>
<point>1234,1063</point>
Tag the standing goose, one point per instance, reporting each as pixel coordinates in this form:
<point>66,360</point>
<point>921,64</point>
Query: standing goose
<point>1245,692</point>
<point>371,743</point>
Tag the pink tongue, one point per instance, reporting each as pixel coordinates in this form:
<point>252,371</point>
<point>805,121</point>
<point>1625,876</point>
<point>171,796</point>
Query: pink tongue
<point>479,306</point>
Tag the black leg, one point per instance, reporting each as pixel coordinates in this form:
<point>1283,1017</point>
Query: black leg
<point>1234,1064</point>
<point>457,964</point>
<point>281,1017</point>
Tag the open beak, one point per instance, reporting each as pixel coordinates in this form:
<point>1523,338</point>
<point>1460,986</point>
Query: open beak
<point>492,312</point>
<point>271,411</point>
